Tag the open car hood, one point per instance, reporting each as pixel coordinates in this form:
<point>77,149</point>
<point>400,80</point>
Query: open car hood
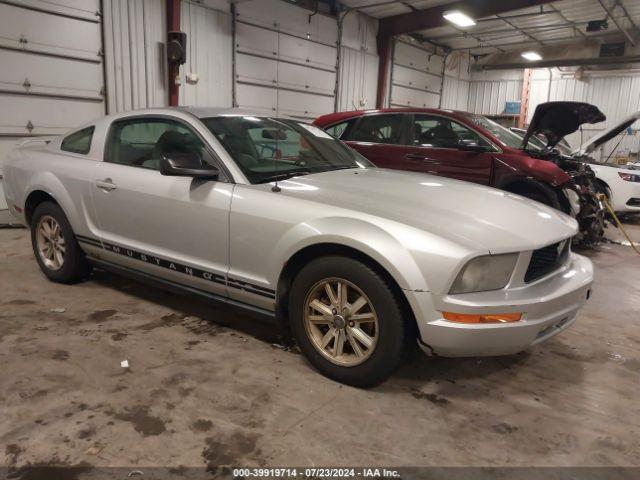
<point>594,142</point>
<point>555,120</point>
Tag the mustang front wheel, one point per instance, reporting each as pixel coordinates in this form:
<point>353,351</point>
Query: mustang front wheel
<point>347,321</point>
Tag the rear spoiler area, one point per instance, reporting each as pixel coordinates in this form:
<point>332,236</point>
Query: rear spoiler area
<point>35,142</point>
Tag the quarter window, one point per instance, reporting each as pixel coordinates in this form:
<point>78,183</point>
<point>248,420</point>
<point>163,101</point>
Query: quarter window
<point>442,132</point>
<point>338,130</point>
<point>386,128</point>
<point>142,142</point>
<point>78,142</point>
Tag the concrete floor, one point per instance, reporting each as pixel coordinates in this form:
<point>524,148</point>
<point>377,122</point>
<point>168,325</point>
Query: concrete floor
<point>206,385</point>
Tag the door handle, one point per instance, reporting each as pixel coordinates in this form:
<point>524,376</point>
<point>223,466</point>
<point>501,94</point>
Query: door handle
<point>107,184</point>
<point>421,158</point>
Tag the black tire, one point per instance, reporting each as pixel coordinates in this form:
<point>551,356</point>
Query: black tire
<point>74,265</point>
<point>389,350</point>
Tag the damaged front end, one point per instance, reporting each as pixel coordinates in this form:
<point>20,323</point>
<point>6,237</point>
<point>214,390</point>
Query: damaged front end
<point>555,120</point>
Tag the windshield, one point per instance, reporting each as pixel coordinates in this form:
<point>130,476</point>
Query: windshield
<point>503,134</point>
<point>268,149</point>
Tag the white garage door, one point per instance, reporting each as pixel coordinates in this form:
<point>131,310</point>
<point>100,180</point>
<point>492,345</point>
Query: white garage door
<point>416,76</point>
<point>52,78</point>
<point>285,59</point>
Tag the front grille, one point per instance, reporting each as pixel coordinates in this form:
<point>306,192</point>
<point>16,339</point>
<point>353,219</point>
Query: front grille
<point>634,202</point>
<point>547,259</point>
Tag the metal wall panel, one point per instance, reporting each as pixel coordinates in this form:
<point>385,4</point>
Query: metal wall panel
<point>358,70</point>
<point>209,55</point>
<point>135,34</point>
<point>358,80</point>
<point>52,75</point>
<point>287,50</point>
<point>416,76</point>
<point>489,91</point>
<point>41,32</point>
<point>455,89</point>
<point>82,9</point>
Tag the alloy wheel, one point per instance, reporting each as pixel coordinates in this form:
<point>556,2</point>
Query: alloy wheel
<point>50,241</point>
<point>341,322</point>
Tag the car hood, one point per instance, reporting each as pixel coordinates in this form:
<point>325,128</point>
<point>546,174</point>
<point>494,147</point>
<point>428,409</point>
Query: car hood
<point>555,120</point>
<point>471,215</point>
<point>603,137</point>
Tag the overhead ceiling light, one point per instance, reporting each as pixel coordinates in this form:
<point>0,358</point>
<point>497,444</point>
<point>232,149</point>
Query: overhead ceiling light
<point>458,18</point>
<point>531,56</point>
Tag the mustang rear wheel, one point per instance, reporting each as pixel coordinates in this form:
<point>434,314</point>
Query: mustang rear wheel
<point>347,321</point>
<point>56,249</point>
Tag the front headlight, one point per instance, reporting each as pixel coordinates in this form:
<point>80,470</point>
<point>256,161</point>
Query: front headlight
<point>489,272</point>
<point>629,177</point>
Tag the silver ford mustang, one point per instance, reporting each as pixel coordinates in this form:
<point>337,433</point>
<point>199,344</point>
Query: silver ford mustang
<point>276,216</point>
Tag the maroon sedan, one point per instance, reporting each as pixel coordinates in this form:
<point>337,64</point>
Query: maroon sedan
<point>453,144</point>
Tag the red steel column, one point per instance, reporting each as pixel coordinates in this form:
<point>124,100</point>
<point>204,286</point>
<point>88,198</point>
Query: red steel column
<point>384,54</point>
<point>173,24</point>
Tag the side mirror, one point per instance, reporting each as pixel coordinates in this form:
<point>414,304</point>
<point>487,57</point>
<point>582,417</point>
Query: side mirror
<point>186,165</point>
<point>472,146</point>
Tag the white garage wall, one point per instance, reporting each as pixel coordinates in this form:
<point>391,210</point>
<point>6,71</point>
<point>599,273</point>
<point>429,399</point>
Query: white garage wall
<point>615,93</point>
<point>457,82</point>
<point>135,54</point>
<point>209,54</point>
<point>51,79</point>
<point>285,59</point>
<point>416,75</point>
<point>358,63</point>
<point>489,91</point>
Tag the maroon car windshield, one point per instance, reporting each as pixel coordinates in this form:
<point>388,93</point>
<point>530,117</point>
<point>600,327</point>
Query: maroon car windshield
<point>506,136</point>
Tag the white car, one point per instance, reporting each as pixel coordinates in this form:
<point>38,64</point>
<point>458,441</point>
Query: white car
<point>277,217</point>
<point>621,183</point>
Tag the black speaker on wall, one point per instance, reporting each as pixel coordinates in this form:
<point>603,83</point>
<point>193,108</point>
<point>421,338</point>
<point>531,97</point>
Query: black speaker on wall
<point>177,47</point>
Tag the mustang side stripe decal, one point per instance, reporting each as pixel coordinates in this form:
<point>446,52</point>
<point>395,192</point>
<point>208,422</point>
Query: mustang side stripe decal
<point>179,267</point>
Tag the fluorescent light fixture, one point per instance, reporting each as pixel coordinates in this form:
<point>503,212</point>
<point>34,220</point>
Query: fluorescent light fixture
<point>458,18</point>
<point>531,56</point>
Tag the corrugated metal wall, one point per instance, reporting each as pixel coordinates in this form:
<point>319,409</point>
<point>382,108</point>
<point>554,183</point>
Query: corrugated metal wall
<point>416,75</point>
<point>489,91</point>
<point>135,54</point>
<point>617,94</point>
<point>457,76</point>
<point>209,55</point>
<point>358,63</point>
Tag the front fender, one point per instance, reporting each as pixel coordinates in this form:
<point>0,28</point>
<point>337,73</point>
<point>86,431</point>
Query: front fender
<point>360,235</point>
<point>544,171</point>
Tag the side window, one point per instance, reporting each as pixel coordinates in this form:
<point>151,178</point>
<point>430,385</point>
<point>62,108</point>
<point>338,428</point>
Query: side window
<point>78,142</point>
<point>441,132</point>
<point>338,129</point>
<point>385,128</point>
<point>142,142</point>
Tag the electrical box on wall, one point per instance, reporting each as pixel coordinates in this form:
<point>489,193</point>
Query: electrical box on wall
<point>177,47</point>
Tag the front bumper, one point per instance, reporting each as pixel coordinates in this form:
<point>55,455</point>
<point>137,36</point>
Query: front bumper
<point>549,306</point>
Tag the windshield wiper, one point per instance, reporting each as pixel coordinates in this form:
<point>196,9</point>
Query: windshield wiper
<point>284,176</point>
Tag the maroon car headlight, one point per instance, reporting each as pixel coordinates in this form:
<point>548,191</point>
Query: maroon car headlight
<point>629,177</point>
<point>488,272</point>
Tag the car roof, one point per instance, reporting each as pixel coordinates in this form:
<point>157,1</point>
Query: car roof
<point>204,112</point>
<point>339,116</point>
